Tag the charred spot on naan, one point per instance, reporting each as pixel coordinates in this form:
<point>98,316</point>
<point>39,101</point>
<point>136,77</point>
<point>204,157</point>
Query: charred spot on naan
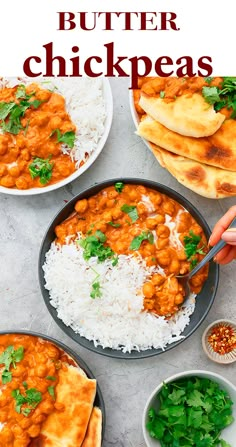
<point>217,154</point>
<point>196,174</point>
<point>225,188</point>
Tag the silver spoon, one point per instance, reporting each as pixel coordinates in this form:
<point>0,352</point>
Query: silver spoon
<point>184,279</point>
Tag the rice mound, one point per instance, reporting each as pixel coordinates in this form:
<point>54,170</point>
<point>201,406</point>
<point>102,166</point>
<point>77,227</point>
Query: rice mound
<point>116,320</point>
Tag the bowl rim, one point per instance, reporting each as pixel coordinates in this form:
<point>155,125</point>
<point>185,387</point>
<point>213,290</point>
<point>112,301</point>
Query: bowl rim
<point>108,97</point>
<point>87,192</point>
<point>81,363</point>
<point>188,373</point>
<point>220,359</point>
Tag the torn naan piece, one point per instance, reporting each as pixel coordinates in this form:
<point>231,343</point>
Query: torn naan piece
<point>67,426</point>
<point>188,114</point>
<point>93,437</point>
<point>218,150</point>
<point>205,180</point>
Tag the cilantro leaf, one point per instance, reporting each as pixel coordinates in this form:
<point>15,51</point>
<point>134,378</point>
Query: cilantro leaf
<point>67,138</point>
<point>41,168</point>
<point>32,397</point>
<point>5,108</point>
<point>94,246</point>
<point>144,236</point>
<point>96,290</point>
<point>113,224</point>
<point>211,94</point>
<point>119,186</point>
<point>8,357</point>
<point>51,378</point>
<point>184,417</point>
<point>51,391</point>
<point>162,94</point>
<point>131,211</point>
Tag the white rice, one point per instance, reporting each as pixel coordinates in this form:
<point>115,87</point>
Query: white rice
<point>85,104</point>
<point>116,320</point>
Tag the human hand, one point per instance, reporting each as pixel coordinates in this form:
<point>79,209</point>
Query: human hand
<point>220,231</point>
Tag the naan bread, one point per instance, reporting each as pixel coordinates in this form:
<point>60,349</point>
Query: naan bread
<point>205,180</point>
<point>67,428</point>
<point>93,437</point>
<point>218,150</point>
<point>188,115</point>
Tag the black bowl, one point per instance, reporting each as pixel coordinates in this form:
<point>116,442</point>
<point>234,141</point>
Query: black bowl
<point>98,401</point>
<point>204,300</point>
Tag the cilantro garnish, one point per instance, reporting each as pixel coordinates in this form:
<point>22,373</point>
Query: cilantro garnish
<point>144,236</point>
<point>10,357</point>
<point>131,211</point>
<point>96,290</point>
<point>192,412</point>
<point>223,96</point>
<point>162,94</point>
<point>94,246</point>
<point>32,397</point>
<point>51,391</point>
<point>41,168</point>
<point>51,378</point>
<point>113,224</point>
<point>13,112</point>
<point>119,186</point>
<point>191,248</point>
<point>67,138</point>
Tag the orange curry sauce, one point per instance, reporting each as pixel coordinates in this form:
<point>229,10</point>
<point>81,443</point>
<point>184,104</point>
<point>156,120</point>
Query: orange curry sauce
<point>37,370</point>
<point>168,222</point>
<point>34,139</point>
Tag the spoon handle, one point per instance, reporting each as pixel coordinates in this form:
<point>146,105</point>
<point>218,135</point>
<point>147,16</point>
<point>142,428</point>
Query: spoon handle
<point>212,252</point>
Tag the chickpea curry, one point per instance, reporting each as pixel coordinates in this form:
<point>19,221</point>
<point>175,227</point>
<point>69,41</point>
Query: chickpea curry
<point>29,368</point>
<point>34,124</point>
<point>126,219</point>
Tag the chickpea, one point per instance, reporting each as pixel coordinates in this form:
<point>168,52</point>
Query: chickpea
<point>117,213</point>
<point>25,423</point>
<point>150,260</point>
<point>114,235</point>
<point>184,268</point>
<point>92,204</point>
<point>3,148</point>
<point>8,181</point>
<point>14,171</point>
<point>46,406</point>
<point>112,194</point>
<point>141,189</point>
<point>33,431</point>
<point>41,370</point>
<point>55,122</point>
<point>181,255</point>
<point>102,202</point>
<point>158,279</point>
<point>168,207</point>
<point>141,208</point>
<point>120,247</point>
<point>25,154</point>
<point>60,231</point>
<point>148,304</point>
<point>163,231</point>
<point>148,289</point>
<point>179,298</point>
<point>81,206</point>
<point>160,219</point>
<point>163,258</point>
<point>43,95</point>
<point>110,203</point>
<point>38,419</point>
<point>8,435</point>
<point>148,249</point>
<point>107,216</point>
<point>21,141</point>
<point>3,170</point>
<point>133,194</point>
<point>162,243</point>
<point>174,267</point>
<point>59,406</point>
<point>102,226</point>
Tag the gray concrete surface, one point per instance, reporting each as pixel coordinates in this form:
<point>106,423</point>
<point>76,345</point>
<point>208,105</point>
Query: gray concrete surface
<point>23,220</point>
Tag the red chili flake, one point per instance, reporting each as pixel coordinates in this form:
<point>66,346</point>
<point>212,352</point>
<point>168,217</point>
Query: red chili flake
<point>222,339</point>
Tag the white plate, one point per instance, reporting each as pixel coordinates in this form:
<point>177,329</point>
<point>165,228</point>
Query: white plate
<point>136,117</point>
<point>109,114</point>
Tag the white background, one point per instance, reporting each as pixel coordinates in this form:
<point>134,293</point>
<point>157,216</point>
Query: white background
<point>206,28</point>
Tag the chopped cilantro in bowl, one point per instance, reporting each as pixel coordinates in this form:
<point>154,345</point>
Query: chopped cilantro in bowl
<point>191,409</point>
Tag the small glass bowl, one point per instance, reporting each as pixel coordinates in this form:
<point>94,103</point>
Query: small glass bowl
<point>227,358</point>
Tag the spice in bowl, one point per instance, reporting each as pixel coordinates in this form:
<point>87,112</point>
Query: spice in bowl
<point>219,341</point>
<point>222,338</point>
